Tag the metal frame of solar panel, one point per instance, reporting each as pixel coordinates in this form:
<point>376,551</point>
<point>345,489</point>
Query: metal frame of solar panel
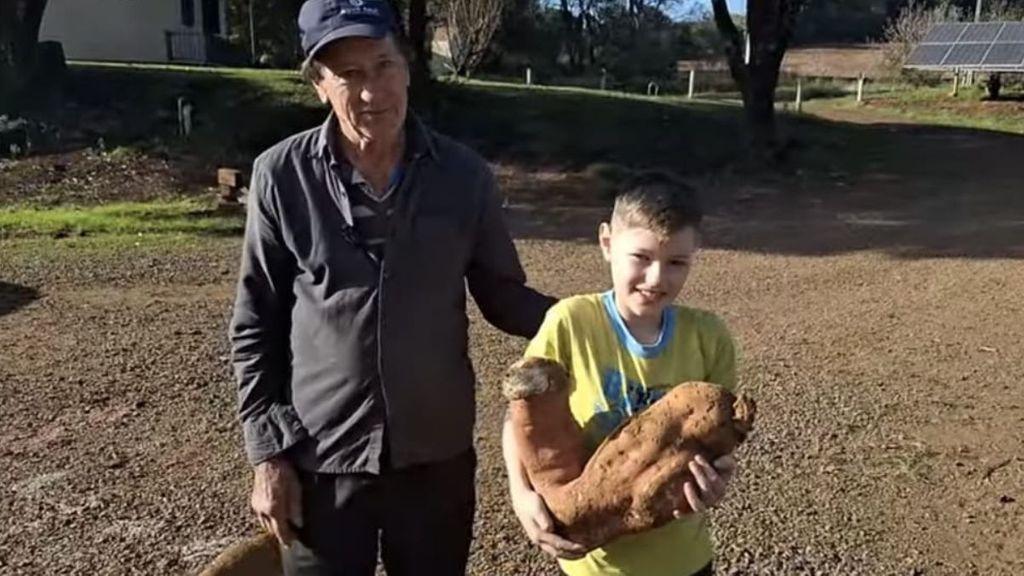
<point>982,46</point>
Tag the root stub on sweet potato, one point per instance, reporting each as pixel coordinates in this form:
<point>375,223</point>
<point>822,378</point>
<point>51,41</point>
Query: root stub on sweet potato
<point>634,480</point>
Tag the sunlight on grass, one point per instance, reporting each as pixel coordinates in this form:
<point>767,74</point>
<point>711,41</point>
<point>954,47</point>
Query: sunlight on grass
<point>936,107</point>
<point>176,217</point>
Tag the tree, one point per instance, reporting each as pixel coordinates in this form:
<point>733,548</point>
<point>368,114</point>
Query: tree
<point>770,25</point>
<point>416,29</point>
<point>276,32</point>
<point>471,26</point>
<point>19,37</point>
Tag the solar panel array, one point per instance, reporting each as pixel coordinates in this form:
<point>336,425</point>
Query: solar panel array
<point>986,46</point>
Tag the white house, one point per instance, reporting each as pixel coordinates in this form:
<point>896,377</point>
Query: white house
<point>186,31</point>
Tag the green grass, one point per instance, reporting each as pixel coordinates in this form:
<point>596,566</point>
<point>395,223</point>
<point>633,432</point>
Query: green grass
<point>573,128</point>
<point>180,217</point>
<point>237,112</point>
<point>935,106</point>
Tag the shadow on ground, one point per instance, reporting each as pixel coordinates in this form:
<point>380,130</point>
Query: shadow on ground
<point>13,297</point>
<point>851,183</point>
<point>908,191</point>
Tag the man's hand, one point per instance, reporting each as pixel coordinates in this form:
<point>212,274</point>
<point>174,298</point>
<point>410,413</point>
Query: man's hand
<point>710,482</point>
<point>277,498</point>
<point>539,527</point>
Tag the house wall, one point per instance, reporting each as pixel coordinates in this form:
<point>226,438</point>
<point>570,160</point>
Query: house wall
<point>116,30</point>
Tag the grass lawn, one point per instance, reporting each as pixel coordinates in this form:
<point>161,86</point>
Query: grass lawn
<point>185,216</point>
<point>935,106</point>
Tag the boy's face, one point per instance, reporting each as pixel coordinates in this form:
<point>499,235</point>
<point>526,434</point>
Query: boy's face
<point>648,268</point>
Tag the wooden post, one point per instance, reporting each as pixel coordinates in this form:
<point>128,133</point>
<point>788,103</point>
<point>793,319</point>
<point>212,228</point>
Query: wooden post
<point>252,35</point>
<point>956,83</point>
<point>185,110</point>
<point>860,89</point>
<point>529,76</point>
<point>693,82</point>
<point>230,182</point>
<point>799,95</point>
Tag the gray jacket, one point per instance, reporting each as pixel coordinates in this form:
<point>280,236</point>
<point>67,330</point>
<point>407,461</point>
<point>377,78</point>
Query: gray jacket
<point>337,354</point>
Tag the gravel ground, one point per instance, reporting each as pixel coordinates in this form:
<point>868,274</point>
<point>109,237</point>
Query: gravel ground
<point>885,358</point>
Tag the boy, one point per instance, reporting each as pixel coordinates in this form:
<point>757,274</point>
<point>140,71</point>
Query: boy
<point>624,349</point>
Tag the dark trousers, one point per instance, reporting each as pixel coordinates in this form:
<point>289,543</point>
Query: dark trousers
<point>420,519</point>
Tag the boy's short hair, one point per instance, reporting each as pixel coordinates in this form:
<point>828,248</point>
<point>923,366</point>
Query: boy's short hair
<point>658,202</point>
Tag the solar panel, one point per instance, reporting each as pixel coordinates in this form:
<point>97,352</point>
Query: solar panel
<point>983,32</point>
<point>966,55</point>
<point>929,55</point>
<point>992,46</point>
<point>944,33</point>
<point>1005,55</point>
<point>1012,32</point>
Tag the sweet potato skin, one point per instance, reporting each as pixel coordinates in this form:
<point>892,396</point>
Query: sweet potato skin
<point>634,480</point>
<point>256,556</point>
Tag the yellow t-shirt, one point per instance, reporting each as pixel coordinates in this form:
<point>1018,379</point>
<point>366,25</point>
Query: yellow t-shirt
<point>614,376</point>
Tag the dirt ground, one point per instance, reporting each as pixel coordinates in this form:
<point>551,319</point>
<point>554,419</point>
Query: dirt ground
<point>879,316</point>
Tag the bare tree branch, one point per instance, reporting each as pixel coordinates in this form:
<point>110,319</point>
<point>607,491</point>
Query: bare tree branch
<point>734,44</point>
<point>471,27</point>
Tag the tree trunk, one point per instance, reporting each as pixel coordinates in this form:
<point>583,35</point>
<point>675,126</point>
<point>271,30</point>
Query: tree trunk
<point>415,31</point>
<point>418,38</point>
<point>770,27</point>
<point>573,35</point>
<point>19,35</point>
<point>994,85</point>
<point>759,104</point>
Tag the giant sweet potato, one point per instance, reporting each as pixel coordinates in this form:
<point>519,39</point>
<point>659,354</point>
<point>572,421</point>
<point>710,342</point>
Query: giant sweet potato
<point>634,480</point>
<point>253,556</point>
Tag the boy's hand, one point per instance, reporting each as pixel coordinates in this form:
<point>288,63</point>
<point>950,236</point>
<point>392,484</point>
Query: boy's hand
<point>540,528</point>
<point>711,482</point>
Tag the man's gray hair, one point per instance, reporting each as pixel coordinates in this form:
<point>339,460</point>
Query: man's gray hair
<point>311,70</point>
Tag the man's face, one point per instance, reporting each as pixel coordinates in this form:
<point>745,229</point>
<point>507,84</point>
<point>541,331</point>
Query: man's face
<point>648,269</point>
<point>366,81</point>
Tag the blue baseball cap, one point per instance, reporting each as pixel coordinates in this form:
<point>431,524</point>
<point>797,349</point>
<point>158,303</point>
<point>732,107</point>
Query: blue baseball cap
<point>324,21</point>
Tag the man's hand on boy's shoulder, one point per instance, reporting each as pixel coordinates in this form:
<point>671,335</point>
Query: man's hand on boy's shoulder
<point>536,520</point>
<point>710,482</point>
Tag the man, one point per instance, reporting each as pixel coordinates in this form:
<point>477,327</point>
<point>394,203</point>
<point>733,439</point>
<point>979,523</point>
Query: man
<point>349,332</point>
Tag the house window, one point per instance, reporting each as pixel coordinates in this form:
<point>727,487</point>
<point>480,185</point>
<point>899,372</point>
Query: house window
<point>188,13</point>
<point>211,16</point>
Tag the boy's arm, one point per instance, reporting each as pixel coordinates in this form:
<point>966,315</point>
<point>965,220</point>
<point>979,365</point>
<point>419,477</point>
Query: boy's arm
<point>518,480</point>
<point>528,505</point>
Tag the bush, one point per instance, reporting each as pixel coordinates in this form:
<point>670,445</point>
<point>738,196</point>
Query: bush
<point>906,31</point>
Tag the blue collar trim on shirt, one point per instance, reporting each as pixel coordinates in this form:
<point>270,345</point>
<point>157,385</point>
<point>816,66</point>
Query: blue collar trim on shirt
<point>393,181</point>
<point>668,326</point>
